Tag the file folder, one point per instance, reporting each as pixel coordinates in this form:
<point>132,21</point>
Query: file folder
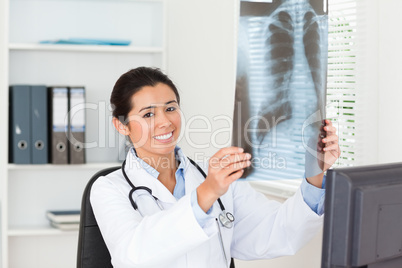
<point>58,97</point>
<point>76,125</point>
<point>88,41</point>
<point>39,125</point>
<point>19,128</point>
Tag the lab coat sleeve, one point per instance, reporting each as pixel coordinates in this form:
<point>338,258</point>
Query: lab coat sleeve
<point>267,229</point>
<point>151,241</point>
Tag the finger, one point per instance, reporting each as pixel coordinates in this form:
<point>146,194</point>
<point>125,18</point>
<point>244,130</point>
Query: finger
<point>330,130</point>
<point>236,175</point>
<point>319,147</point>
<point>235,167</point>
<point>332,147</point>
<point>322,133</point>
<point>227,151</point>
<point>328,122</point>
<point>233,158</point>
<point>331,138</point>
<point>319,140</point>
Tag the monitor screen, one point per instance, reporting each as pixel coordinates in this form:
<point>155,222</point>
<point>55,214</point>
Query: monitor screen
<point>363,217</point>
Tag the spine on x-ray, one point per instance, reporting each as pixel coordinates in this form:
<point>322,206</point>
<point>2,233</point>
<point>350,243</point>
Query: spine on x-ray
<point>280,55</point>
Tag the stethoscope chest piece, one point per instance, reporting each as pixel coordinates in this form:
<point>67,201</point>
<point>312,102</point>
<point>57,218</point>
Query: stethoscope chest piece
<point>226,219</point>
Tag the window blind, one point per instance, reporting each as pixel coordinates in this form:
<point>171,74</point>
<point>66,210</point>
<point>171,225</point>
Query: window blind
<point>344,41</point>
<point>346,76</point>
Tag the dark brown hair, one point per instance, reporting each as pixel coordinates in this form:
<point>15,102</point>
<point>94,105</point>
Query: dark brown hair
<point>133,81</point>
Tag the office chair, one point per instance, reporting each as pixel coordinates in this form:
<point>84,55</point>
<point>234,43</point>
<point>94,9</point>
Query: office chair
<point>92,250</point>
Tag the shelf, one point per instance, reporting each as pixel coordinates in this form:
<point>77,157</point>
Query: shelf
<point>83,48</point>
<point>39,231</point>
<point>89,166</point>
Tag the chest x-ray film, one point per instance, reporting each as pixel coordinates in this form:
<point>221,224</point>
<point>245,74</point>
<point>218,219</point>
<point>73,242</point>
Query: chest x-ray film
<point>281,87</point>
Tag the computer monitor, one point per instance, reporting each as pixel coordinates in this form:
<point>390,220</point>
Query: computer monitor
<point>363,217</point>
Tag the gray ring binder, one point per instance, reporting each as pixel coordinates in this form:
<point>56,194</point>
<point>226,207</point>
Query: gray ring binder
<point>22,145</point>
<point>61,146</point>
<point>39,145</point>
<point>78,147</point>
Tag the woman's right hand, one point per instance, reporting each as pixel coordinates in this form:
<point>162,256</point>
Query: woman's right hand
<point>225,167</point>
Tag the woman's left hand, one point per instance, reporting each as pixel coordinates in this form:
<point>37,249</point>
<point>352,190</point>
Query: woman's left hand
<point>328,152</point>
<point>328,148</point>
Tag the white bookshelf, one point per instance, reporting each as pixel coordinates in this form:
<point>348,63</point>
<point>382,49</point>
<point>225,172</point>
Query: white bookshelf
<point>39,231</point>
<point>28,191</point>
<point>61,168</point>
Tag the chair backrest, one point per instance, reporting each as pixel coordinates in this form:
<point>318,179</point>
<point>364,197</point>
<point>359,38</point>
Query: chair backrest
<point>92,250</point>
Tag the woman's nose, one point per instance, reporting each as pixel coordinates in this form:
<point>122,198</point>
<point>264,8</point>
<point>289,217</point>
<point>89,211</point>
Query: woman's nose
<point>163,121</point>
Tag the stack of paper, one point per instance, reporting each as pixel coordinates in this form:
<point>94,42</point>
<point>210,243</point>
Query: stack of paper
<point>64,219</point>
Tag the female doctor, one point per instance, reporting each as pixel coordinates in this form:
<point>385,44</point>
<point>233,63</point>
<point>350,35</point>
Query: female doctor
<point>162,210</point>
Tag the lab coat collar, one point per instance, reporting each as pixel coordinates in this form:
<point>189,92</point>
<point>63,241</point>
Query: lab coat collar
<point>195,178</point>
<point>192,177</point>
<point>140,177</point>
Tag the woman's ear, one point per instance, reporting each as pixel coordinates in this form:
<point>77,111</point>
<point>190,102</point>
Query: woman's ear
<point>121,128</point>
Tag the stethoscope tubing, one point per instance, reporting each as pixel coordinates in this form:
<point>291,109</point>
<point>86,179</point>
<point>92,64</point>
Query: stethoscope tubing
<point>226,218</point>
<point>227,215</point>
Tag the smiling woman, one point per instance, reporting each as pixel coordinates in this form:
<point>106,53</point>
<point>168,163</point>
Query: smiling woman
<point>163,210</point>
<point>154,121</point>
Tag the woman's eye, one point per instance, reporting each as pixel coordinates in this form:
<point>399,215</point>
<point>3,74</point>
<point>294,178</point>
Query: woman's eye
<point>171,109</point>
<point>148,115</point>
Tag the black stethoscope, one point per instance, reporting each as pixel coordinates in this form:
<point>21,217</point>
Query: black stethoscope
<point>226,218</point>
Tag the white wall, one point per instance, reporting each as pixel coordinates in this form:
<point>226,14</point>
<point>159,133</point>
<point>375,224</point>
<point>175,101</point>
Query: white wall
<point>390,81</point>
<point>201,61</point>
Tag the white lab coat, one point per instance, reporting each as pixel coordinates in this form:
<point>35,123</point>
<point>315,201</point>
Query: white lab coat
<point>173,238</point>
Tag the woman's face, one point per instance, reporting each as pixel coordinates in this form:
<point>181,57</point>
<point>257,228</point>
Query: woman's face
<point>154,121</point>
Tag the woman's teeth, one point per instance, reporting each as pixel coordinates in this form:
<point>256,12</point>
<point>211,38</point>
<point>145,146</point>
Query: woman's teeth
<point>164,137</point>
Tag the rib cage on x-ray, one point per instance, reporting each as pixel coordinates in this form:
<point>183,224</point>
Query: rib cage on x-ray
<point>283,55</point>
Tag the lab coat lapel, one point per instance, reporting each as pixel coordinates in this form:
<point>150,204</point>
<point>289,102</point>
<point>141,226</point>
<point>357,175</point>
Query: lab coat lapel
<point>140,177</point>
<point>193,177</point>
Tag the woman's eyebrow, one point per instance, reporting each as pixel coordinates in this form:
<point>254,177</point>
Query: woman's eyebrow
<point>170,102</point>
<point>153,106</point>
